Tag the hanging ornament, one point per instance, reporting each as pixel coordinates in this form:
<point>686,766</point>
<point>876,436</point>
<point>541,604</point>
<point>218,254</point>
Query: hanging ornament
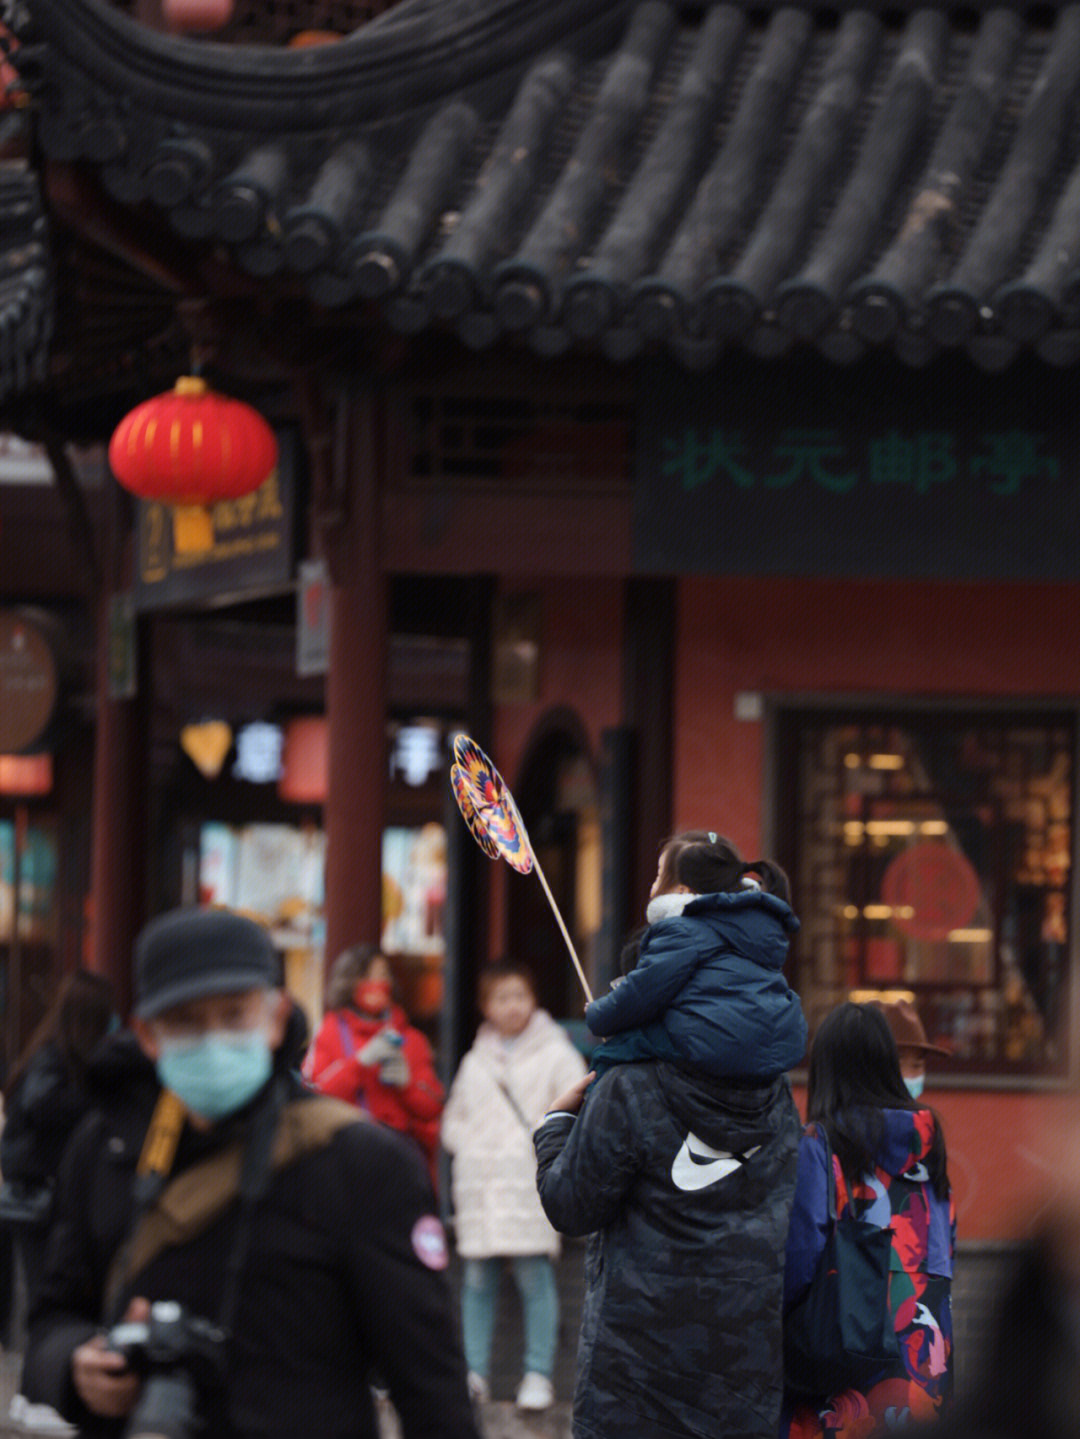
<point>195,17</point>
<point>189,448</point>
<point>192,446</point>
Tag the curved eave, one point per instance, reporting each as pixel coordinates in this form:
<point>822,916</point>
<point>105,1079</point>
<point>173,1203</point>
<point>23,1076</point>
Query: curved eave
<point>410,57</point>
<point>615,176</point>
<point>26,289</point>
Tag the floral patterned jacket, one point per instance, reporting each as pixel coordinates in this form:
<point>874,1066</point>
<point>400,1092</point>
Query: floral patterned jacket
<point>898,1195</point>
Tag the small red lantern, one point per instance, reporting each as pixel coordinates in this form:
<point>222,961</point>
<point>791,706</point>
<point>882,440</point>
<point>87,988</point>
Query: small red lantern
<point>305,761</point>
<point>191,446</point>
<point>196,16</point>
<point>26,774</point>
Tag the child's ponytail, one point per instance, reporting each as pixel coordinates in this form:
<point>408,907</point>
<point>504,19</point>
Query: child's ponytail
<point>707,863</point>
<point>770,877</point>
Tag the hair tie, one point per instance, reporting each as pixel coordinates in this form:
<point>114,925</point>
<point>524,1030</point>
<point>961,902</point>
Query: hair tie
<point>712,836</point>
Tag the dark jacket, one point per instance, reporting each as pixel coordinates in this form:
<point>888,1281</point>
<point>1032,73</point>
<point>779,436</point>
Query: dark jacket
<point>709,990</point>
<point>40,1114</point>
<point>342,1275</point>
<point>684,1184</point>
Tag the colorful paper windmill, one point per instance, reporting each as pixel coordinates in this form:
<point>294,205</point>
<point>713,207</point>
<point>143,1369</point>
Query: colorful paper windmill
<point>489,811</point>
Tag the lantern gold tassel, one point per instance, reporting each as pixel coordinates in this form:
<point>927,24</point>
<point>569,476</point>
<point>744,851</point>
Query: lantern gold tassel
<point>193,530</point>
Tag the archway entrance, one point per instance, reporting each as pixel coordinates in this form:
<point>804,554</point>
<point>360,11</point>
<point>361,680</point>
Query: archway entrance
<point>558,796</point>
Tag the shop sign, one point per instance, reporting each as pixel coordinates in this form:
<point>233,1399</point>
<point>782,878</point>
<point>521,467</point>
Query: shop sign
<point>885,481</point>
<point>313,618</point>
<point>123,675</point>
<point>29,682</point>
<point>251,551</point>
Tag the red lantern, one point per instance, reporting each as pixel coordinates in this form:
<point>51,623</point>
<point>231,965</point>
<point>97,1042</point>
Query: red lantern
<point>191,446</point>
<point>196,16</point>
<point>26,774</point>
<point>303,39</point>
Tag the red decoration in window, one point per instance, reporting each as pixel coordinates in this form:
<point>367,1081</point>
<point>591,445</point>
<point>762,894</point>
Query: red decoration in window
<point>937,884</point>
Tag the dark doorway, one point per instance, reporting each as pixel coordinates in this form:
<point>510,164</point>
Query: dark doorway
<point>558,798</point>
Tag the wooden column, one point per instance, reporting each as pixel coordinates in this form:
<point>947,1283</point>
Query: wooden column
<point>649,687</point>
<point>118,842</point>
<point>356,687</point>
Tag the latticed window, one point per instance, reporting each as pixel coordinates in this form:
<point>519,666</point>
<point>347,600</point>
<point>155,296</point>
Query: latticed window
<point>930,855</point>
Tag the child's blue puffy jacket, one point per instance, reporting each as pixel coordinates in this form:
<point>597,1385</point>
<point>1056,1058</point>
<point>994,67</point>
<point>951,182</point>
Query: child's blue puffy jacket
<point>709,989</point>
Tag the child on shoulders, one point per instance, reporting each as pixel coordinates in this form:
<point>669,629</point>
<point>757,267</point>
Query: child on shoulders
<point>708,989</point>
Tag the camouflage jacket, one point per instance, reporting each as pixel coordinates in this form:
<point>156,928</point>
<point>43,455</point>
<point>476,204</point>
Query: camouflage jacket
<point>685,1185</point>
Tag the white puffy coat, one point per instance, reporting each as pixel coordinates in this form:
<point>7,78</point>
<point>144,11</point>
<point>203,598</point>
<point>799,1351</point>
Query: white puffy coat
<point>496,1206</point>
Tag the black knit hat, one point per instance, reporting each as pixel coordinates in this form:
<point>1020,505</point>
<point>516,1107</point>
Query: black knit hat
<point>194,953</point>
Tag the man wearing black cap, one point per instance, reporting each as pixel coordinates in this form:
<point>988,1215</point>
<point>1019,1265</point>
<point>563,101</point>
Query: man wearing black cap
<point>232,1255</point>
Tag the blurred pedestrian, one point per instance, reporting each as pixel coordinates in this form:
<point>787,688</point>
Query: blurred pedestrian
<point>881,1153</point>
<point>1025,1378</point>
<point>520,1061</point>
<point>683,1182</point>
<point>912,1045</point>
<point>265,1245</point>
<point>708,989</point>
<point>45,1097</point>
<point>367,1052</point>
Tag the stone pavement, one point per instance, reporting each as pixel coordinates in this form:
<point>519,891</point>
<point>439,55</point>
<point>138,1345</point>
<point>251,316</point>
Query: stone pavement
<point>978,1273</point>
<point>499,1419</point>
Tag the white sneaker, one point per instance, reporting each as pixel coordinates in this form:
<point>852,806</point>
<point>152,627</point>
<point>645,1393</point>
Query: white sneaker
<point>479,1389</point>
<point>535,1392</point>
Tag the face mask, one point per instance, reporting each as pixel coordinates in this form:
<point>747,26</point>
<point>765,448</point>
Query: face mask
<point>915,1086</point>
<point>372,995</point>
<point>217,1074</point>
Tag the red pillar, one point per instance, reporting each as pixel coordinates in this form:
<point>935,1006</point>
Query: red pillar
<point>118,837</point>
<point>356,683</point>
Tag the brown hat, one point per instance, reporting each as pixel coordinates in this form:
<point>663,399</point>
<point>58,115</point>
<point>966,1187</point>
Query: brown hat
<point>907,1028</point>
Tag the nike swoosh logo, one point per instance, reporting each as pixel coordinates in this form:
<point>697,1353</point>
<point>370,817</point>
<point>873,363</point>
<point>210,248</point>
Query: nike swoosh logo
<point>697,1164</point>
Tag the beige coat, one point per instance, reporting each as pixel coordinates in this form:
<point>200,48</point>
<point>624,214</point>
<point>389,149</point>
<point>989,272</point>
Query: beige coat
<point>496,1207</point>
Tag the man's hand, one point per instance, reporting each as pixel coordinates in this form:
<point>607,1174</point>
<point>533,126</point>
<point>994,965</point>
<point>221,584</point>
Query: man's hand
<point>102,1379</point>
<point>572,1100</point>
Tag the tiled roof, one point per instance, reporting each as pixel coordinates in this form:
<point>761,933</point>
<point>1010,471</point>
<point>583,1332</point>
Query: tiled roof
<point>585,172</point>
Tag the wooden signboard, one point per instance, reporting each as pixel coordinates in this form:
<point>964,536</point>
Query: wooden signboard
<point>251,551</point>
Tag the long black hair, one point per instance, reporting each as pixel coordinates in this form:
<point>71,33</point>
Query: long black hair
<point>707,863</point>
<point>854,1075</point>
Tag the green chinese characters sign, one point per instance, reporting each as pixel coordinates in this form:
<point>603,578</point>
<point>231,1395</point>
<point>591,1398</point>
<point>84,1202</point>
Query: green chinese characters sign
<point>876,480</point>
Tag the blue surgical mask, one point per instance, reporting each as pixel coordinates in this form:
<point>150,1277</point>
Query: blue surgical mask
<point>915,1086</point>
<point>217,1073</point>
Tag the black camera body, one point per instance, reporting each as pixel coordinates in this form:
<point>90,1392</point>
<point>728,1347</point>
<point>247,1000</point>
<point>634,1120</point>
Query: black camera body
<point>182,1359</point>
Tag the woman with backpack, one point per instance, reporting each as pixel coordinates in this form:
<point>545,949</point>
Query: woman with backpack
<point>874,1154</point>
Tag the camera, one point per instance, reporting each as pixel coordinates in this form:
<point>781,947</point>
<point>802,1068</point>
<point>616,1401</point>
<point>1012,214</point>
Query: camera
<point>182,1359</point>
